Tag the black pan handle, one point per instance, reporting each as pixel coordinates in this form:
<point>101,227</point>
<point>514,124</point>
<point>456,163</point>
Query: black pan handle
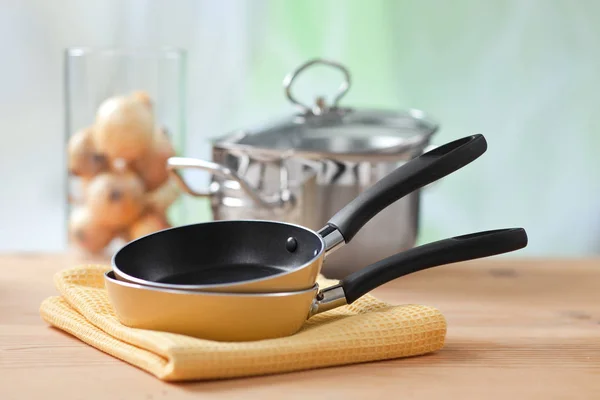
<point>415,174</point>
<point>447,251</point>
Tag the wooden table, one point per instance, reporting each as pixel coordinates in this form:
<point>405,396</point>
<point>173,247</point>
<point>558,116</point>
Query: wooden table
<point>516,329</point>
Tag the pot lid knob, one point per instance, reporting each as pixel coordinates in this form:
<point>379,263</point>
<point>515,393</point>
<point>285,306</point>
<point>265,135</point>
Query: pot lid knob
<point>320,104</point>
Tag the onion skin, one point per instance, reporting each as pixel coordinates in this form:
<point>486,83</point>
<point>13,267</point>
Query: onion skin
<point>87,233</point>
<point>147,224</point>
<point>160,199</point>
<point>84,159</point>
<point>152,167</point>
<point>124,128</point>
<point>116,199</point>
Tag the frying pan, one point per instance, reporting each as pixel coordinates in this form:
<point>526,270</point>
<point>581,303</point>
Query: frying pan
<point>269,256</point>
<point>256,316</point>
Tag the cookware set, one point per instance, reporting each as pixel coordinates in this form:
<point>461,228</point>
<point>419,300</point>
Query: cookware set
<point>252,279</point>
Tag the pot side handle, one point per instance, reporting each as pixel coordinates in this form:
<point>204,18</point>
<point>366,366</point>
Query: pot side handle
<point>179,163</point>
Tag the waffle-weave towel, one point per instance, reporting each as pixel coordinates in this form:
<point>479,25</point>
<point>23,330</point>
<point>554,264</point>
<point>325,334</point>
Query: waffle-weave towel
<point>367,330</point>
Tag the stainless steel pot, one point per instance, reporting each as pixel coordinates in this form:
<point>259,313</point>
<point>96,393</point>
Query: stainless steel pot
<point>305,168</point>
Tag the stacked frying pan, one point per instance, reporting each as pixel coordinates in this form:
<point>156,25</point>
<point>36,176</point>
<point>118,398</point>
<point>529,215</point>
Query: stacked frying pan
<point>250,279</point>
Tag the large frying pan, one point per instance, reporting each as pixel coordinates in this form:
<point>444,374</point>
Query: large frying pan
<point>269,256</point>
<point>256,316</point>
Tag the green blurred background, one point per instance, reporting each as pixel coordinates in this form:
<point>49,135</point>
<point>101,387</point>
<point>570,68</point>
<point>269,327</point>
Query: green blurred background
<point>523,73</point>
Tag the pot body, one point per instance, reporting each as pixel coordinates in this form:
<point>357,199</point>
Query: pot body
<point>317,189</point>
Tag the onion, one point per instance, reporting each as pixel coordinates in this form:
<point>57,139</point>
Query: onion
<point>124,128</point>
<point>116,199</point>
<point>83,158</point>
<point>152,167</point>
<point>147,224</point>
<point>161,198</point>
<point>86,232</point>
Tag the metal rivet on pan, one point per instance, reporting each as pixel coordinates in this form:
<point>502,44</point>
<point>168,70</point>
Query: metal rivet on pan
<point>291,244</point>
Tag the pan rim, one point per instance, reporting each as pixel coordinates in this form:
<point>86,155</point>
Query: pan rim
<point>115,281</point>
<point>232,285</point>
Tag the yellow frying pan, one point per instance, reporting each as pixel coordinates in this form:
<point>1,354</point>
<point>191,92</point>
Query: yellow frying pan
<point>255,316</point>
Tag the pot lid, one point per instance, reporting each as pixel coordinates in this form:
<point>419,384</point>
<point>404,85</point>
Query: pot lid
<point>335,132</point>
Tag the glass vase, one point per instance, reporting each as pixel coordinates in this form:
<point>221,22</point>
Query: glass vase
<point>124,116</point>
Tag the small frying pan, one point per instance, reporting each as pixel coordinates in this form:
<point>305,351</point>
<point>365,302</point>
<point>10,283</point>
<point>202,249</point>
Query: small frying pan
<point>270,256</point>
<point>256,316</point>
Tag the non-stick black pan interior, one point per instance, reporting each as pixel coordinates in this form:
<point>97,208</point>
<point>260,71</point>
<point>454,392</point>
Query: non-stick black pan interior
<point>218,252</point>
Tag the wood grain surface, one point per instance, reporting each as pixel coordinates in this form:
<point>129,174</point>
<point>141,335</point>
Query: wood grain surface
<point>520,329</point>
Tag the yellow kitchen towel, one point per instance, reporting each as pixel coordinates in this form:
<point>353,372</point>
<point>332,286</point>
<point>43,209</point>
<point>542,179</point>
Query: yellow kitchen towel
<point>367,330</point>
